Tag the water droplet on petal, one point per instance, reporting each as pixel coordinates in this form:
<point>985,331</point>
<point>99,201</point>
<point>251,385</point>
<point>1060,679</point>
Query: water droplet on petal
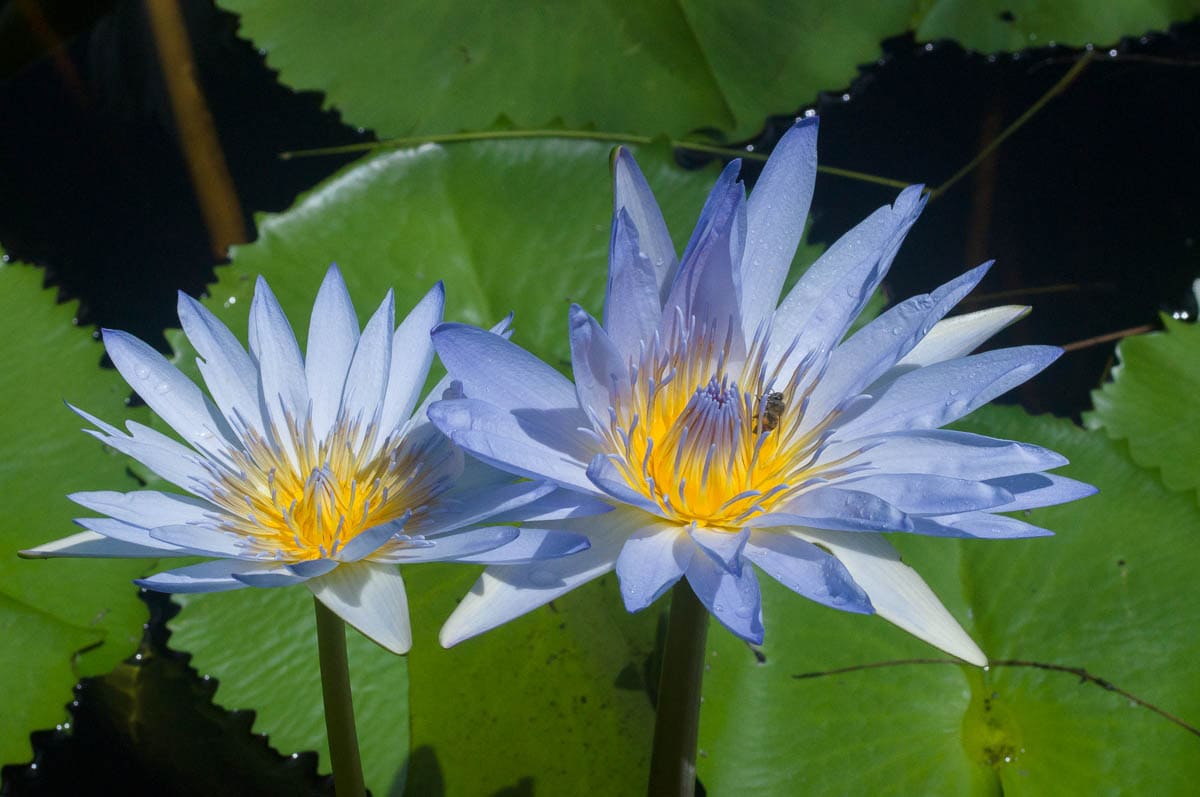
<point>162,387</point>
<point>953,391</point>
<point>543,578</point>
<point>743,612</point>
<point>142,371</point>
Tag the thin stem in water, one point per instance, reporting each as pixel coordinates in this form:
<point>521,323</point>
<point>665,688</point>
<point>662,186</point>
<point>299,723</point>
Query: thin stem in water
<point>339,704</point>
<point>677,722</point>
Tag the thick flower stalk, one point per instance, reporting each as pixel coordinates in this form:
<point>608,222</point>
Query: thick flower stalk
<point>732,431</point>
<point>309,469</point>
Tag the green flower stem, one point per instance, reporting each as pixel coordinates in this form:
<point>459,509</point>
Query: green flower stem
<point>339,704</point>
<point>677,723</point>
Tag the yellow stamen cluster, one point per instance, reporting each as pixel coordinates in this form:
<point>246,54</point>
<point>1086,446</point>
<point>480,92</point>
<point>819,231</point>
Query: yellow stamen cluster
<point>704,438</point>
<point>296,498</point>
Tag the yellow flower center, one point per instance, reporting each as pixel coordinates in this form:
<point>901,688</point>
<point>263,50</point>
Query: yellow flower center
<point>710,443</point>
<point>297,498</point>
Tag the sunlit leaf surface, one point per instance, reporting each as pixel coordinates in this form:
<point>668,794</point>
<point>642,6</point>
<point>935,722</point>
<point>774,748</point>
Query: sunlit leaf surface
<point>1151,402</point>
<point>1113,593</point>
<point>64,618</point>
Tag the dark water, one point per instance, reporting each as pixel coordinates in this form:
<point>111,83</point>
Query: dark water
<point>1096,201</point>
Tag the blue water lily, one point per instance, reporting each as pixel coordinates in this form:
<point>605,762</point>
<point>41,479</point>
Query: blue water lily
<point>732,432</point>
<point>308,469</point>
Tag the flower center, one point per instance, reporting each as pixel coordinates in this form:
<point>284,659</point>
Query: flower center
<point>294,498</point>
<point>710,441</point>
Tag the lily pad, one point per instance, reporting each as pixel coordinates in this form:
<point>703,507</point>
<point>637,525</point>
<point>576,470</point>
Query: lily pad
<point>261,645</point>
<point>1152,399</point>
<point>1010,25</point>
<point>556,702</point>
<point>61,619</point>
<point>1113,595</point>
<point>411,69</point>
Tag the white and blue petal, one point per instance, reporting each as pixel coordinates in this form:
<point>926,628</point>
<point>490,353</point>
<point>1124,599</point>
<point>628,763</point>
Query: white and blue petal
<point>505,592</point>
<point>371,598</point>
<point>807,570</point>
<point>332,336</point>
<point>897,592</point>
<point>775,217</point>
<point>633,198</point>
<point>733,599</point>
<point>653,558</point>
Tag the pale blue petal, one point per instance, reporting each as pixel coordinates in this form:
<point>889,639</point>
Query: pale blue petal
<point>807,570</point>
<point>605,475</point>
<point>824,302</point>
<point>412,355</point>
<point>449,515</point>
<point>270,576</point>
<point>227,369</point>
<point>205,541</point>
<point>371,598</point>
<point>501,373</point>
<point>733,600</point>
<point>281,368</point>
<point>724,547</point>
<point>837,508</point>
<point>537,446</point>
<point>533,545</point>
<point>978,525</point>
<point>600,370</point>
<point>558,505</point>
<point>653,558</point>
<point>1033,490</point>
<point>719,194</point>
<point>505,592</point>
<point>171,395</point>
<point>365,543</point>
<point>897,592</point>
<point>312,568</point>
<point>451,547</point>
<point>925,494</point>
<point>633,303</point>
<point>214,576</point>
<point>632,195</point>
<point>148,508</point>
<point>366,381</point>
<point>131,535</point>
<point>878,346</point>
<point>332,336</point>
<point>174,462</point>
<point>944,392</point>
<point>707,285</point>
<point>961,455</point>
<point>958,336</point>
<point>89,544</point>
<point>775,215</point>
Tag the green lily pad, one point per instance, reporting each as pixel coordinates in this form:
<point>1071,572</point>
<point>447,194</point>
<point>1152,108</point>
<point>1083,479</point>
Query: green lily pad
<point>1151,402</point>
<point>61,619</point>
<point>261,645</point>
<point>1113,594</point>
<point>405,69</point>
<point>555,702</point>
<point>1010,25</point>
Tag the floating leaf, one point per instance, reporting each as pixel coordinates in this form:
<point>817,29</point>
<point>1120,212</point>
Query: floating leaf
<point>1152,402</point>
<point>63,618</point>
<point>405,69</point>
<point>1114,593</point>
<point>261,645</point>
<point>1010,25</point>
